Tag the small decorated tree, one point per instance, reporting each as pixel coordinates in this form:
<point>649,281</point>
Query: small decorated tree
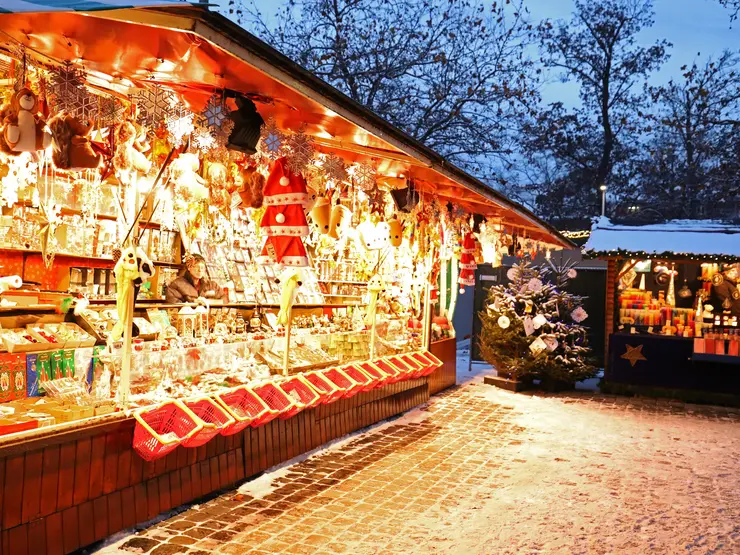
<point>531,328</point>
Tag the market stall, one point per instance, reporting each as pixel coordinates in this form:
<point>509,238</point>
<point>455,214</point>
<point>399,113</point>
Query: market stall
<point>672,307</point>
<point>212,262</point>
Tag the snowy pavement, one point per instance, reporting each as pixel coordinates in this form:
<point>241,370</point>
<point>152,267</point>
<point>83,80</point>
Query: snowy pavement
<point>483,471</point>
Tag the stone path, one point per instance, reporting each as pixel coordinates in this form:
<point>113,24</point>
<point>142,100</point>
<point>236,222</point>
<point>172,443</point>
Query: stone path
<point>483,471</point>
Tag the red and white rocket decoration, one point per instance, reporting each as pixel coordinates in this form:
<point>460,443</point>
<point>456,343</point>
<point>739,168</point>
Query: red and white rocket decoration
<point>284,221</point>
<point>467,261</point>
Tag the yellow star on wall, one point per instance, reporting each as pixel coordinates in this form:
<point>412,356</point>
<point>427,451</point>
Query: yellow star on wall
<point>633,354</point>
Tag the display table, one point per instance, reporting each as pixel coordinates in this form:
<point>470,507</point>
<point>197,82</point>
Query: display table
<point>669,363</point>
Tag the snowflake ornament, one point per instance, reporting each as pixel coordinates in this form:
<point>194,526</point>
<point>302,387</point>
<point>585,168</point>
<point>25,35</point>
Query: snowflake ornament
<point>180,128</point>
<point>204,140</point>
<point>67,88</point>
<point>363,176</point>
<point>214,113</point>
<point>158,105</point>
<point>334,168</point>
<point>110,111</point>
<point>299,151</point>
<point>271,140</point>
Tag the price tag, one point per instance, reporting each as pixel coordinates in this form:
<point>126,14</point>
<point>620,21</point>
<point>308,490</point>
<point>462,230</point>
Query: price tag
<point>621,328</point>
<point>633,331</point>
<point>650,329</point>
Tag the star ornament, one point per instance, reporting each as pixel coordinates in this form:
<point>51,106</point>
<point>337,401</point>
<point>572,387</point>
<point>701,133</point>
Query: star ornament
<point>633,354</point>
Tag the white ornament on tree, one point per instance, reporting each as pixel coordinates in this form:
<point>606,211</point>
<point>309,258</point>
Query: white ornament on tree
<point>539,321</point>
<point>579,315</point>
<point>504,322</point>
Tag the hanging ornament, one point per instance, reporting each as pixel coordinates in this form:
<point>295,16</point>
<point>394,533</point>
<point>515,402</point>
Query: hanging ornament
<point>579,315</point>
<point>67,89</point>
<point>214,113</point>
<point>271,140</point>
<point>300,150</point>
<point>363,176</point>
<point>376,198</point>
<point>535,285</point>
<point>110,111</point>
<point>159,105</point>
<point>179,128</point>
<point>204,140</point>
<point>334,168</point>
<point>539,321</point>
<point>685,292</point>
<point>504,322</point>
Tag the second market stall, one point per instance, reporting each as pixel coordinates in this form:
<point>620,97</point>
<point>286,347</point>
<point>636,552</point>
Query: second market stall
<point>672,307</point>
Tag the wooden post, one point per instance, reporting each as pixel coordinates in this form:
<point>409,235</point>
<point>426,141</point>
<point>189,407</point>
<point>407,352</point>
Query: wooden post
<point>286,354</point>
<point>609,309</point>
<point>372,336</point>
<point>124,385</point>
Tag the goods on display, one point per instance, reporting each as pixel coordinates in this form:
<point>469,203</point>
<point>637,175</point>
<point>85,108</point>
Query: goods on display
<point>296,275</point>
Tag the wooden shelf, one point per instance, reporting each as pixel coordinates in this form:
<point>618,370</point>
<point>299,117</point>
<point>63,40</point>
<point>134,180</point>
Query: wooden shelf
<point>31,252</point>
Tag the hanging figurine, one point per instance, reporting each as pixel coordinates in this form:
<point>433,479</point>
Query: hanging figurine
<point>24,130</point>
<point>375,287</point>
<point>289,282</point>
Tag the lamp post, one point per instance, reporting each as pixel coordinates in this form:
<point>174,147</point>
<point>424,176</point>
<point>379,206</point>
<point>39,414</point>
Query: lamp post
<point>603,199</point>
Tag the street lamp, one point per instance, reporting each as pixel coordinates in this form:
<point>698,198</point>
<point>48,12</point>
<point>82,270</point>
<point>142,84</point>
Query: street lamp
<point>603,199</point>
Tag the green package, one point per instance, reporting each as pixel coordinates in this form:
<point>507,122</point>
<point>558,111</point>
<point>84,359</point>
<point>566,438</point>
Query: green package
<point>68,363</point>
<point>43,368</point>
<point>57,365</point>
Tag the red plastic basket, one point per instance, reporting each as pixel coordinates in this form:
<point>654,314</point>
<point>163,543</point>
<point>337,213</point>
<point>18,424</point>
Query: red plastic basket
<point>408,369</point>
<point>327,389</point>
<point>161,429</point>
<point>373,370</point>
<point>342,380</point>
<point>404,370</point>
<point>394,373</point>
<point>245,406</point>
<point>215,420</point>
<point>278,401</point>
<point>301,391</point>
<point>427,357</point>
<point>360,376</point>
<point>433,358</point>
<point>420,368</point>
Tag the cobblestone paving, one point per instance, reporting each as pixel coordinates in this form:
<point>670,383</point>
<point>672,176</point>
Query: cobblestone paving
<point>483,471</point>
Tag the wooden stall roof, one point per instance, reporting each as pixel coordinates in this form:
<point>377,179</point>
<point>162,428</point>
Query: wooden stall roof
<point>698,240</point>
<point>196,51</point>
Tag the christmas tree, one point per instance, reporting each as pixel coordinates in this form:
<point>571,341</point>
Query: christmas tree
<point>531,328</point>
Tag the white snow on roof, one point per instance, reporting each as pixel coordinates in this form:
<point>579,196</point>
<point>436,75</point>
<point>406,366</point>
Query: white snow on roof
<point>699,237</point>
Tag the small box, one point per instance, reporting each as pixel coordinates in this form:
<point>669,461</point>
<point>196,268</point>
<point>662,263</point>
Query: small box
<point>12,377</point>
<point>32,376</point>
<point>699,346</point>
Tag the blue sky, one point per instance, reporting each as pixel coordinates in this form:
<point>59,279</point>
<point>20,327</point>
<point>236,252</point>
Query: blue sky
<point>692,26</point>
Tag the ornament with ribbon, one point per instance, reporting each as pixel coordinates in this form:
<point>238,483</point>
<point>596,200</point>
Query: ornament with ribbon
<point>48,220</point>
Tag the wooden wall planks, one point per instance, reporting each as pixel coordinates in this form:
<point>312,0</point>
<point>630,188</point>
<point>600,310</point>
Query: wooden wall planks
<point>446,376</point>
<point>58,496</point>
